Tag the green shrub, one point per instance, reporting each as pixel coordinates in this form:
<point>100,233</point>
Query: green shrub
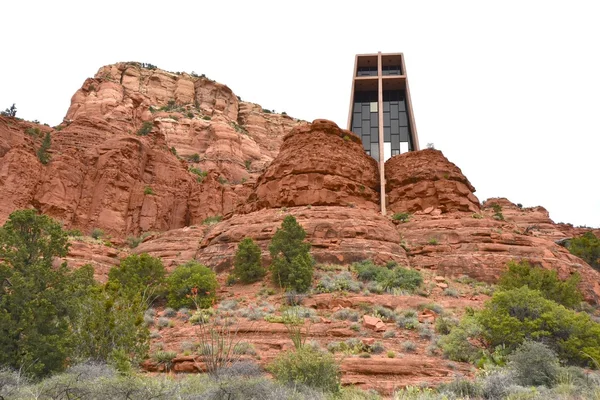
<point>247,262</point>
<point>42,152</point>
<point>402,217</point>
<point>462,388</point>
<point>200,175</point>
<point>191,285</point>
<point>546,281</point>
<point>339,281</point>
<point>148,190</point>
<point>308,367</point>
<point>195,157</point>
<point>212,220</point>
<point>145,129</point>
<point>137,274</point>
<point>510,317</point>
<point>400,278</point>
<point>458,345</point>
<point>292,265</point>
<point>367,270</point>
<point>534,364</point>
<point>586,247</point>
<point>97,233</point>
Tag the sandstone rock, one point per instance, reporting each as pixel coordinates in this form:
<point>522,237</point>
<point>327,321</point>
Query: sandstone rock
<point>338,235</point>
<point>373,323</point>
<point>368,341</point>
<point>424,179</point>
<point>318,164</point>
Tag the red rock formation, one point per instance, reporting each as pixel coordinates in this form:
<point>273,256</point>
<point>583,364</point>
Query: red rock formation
<point>418,180</point>
<point>456,244</point>
<point>338,235</point>
<point>318,164</point>
<point>104,175</point>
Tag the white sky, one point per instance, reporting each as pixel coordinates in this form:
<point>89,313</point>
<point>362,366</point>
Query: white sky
<point>509,91</point>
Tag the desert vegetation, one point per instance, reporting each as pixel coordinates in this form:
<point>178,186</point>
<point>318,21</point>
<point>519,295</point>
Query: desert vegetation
<point>64,335</point>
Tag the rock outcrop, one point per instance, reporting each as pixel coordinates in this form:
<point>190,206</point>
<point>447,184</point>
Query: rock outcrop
<point>338,235</point>
<point>422,179</point>
<point>318,164</point>
<point>140,150</point>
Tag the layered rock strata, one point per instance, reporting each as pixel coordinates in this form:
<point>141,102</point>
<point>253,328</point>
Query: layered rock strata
<point>418,180</point>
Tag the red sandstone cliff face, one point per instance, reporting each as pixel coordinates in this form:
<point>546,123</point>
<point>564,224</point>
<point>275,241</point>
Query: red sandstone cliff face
<point>104,175</point>
<point>422,179</point>
<point>318,164</point>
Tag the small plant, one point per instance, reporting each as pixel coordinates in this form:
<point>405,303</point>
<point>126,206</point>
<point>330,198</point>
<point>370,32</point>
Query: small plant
<point>33,131</point>
<point>42,152</point>
<point>389,334</point>
<point>222,180</point>
<point>212,220</point>
<point>391,354</point>
<point>266,111</point>
<point>451,292</point>
<point>169,312</point>
<point>409,346</point>
<point>377,348</point>
<point>402,217</point>
<point>497,212</point>
<point>97,233</point>
<point>477,216</point>
<point>163,322</point>
<point>293,298</point>
<point>190,114</point>
<point>164,358</point>
<point>206,117</point>
<point>10,112</point>
<point>248,164</point>
<point>195,157</point>
<point>432,241</point>
<point>173,150</point>
<point>145,129</point>
<point>200,175</point>
<point>346,314</point>
<point>309,367</point>
<point>148,190</point>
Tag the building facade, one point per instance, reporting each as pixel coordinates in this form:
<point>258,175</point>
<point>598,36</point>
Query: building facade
<point>380,108</point>
<point>381,111</point>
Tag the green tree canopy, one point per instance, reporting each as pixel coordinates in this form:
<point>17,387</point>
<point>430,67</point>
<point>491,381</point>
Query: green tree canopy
<point>586,247</point>
<point>191,285</point>
<point>546,281</point>
<point>247,262</point>
<point>138,274</point>
<point>292,265</point>
<point>36,299</point>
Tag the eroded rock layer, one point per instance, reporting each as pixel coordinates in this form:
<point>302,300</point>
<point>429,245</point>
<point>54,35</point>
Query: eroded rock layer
<point>338,235</point>
<point>457,244</point>
<point>418,180</point>
<point>140,150</point>
<point>318,164</point>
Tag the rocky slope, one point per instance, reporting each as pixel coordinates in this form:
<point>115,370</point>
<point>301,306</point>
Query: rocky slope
<point>121,160</point>
<point>152,154</point>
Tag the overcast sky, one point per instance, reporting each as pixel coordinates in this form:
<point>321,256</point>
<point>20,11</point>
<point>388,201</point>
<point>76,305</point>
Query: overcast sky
<point>509,92</point>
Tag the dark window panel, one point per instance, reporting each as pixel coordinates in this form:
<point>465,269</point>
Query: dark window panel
<point>395,128</point>
<point>394,111</point>
<point>386,134</point>
<point>386,119</point>
<point>386,106</point>
<point>374,119</point>
<point>365,126</point>
<point>366,109</point>
<point>395,142</point>
<point>358,131</point>
<point>366,141</point>
<point>404,134</point>
<point>402,119</point>
<point>374,135</point>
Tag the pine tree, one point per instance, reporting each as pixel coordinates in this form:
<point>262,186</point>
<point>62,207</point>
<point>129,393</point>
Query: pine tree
<point>42,152</point>
<point>292,265</point>
<point>247,262</point>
